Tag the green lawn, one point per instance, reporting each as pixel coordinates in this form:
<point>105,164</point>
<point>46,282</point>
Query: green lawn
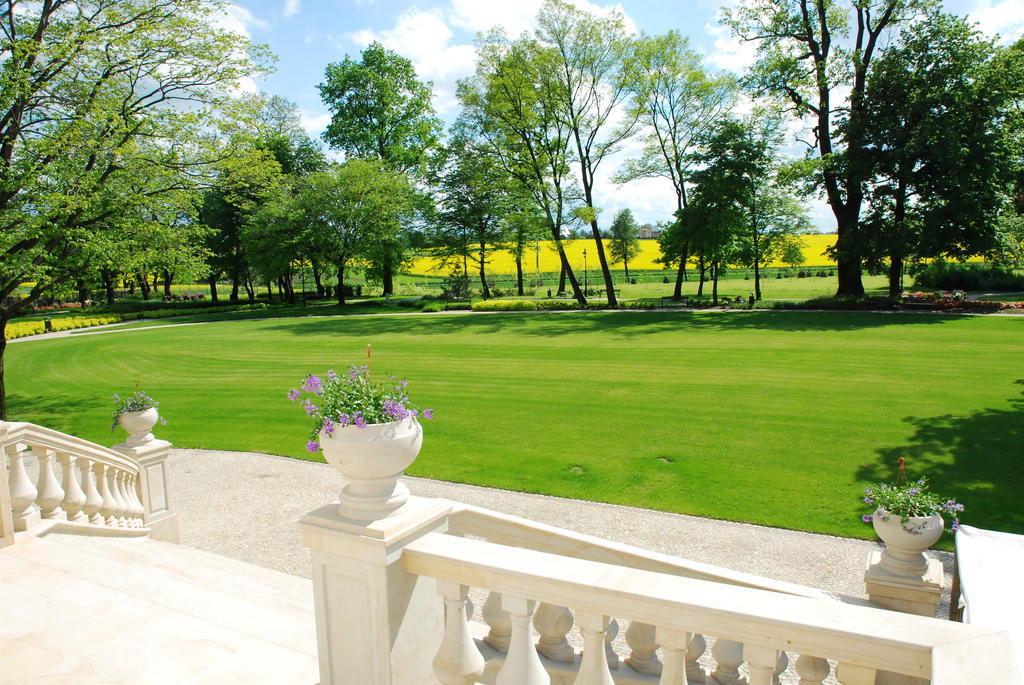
<point>778,418</point>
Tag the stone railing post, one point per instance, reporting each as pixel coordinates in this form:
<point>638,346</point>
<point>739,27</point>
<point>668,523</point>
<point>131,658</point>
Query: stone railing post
<point>375,622</point>
<point>6,515</point>
<point>911,593</point>
<point>153,488</point>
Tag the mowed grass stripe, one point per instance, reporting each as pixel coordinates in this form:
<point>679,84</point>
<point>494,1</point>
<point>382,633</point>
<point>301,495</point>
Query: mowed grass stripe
<point>778,418</point>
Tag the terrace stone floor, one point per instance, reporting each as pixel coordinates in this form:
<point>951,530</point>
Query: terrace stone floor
<point>244,505</point>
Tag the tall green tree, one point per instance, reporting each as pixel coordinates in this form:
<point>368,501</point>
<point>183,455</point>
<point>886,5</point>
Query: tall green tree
<point>381,110</point>
<point>513,101</point>
<point>676,101</point>
<point>816,56</point>
<point>475,204</point>
<point>350,209</point>
<point>929,197</point>
<point>93,92</point>
<point>591,54</point>
<point>624,242</point>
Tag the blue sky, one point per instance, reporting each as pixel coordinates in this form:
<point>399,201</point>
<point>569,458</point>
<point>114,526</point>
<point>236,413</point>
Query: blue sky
<point>438,37</point>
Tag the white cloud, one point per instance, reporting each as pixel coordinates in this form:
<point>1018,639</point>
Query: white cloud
<point>477,16</point>
<point>314,123</point>
<point>239,20</point>
<point>426,39</point>
<point>729,52</point>
<point>1005,18</point>
<point>291,7</point>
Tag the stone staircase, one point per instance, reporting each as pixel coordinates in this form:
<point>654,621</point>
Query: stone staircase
<point>82,609</point>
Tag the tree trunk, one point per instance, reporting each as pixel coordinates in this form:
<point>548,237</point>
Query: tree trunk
<point>250,289</point>
<point>3,381</point>
<point>714,282</point>
<point>341,283</point>
<point>700,287</point>
<point>483,276</point>
<point>848,267</point>
<point>316,278</point>
<point>156,280</point>
<point>143,285</point>
<point>108,285</point>
<point>168,277</point>
<point>235,285</point>
<point>609,285</point>
<point>212,280</point>
<point>561,281</point>
<point>519,274</point>
<point>389,276</point>
<point>895,276</point>
<point>625,265</point>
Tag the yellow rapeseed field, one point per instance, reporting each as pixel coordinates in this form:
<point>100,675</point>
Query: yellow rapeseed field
<point>544,259</point>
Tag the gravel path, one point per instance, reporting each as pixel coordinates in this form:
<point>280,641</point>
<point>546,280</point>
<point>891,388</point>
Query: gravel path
<point>244,505</point>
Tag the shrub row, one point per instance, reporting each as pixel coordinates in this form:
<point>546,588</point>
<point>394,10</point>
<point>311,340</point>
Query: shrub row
<point>21,329</point>
<point>955,276</point>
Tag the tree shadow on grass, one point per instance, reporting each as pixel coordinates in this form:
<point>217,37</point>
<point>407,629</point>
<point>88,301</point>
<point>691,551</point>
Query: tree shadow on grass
<point>623,324</point>
<point>977,459</point>
<point>52,411</point>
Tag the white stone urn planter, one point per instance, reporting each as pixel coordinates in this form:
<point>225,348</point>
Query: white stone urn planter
<point>139,425</point>
<point>905,542</point>
<point>372,459</point>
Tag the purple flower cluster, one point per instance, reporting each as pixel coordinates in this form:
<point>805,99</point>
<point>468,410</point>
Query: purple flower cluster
<point>354,399</point>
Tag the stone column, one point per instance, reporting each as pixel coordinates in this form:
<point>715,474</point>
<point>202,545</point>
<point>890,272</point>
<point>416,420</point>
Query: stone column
<point>6,517</point>
<point>154,488</point>
<point>918,594</point>
<point>375,623</point>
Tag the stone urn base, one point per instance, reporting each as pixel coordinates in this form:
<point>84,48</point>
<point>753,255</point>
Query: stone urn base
<point>906,541</point>
<point>372,459</point>
<point>138,425</point>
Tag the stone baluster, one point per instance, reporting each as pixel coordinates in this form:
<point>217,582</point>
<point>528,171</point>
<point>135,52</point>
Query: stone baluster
<point>499,622</point>
<point>812,669</point>
<point>728,658</point>
<point>554,623</point>
<point>74,497</point>
<point>643,657</point>
<point>852,674</point>
<point>458,661</point>
<point>611,631</point>
<point>694,651</point>
<point>594,664</point>
<point>780,667</point>
<point>761,663</point>
<point>93,500</point>
<point>23,492</point>
<point>51,494</point>
<point>522,663</point>
<point>120,506</point>
<point>108,510</point>
<point>138,508</point>
<point>674,643</point>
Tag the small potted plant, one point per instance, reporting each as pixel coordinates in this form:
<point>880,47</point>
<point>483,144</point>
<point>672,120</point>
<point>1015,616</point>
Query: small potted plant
<point>136,412</point>
<point>908,519</point>
<point>367,430</point>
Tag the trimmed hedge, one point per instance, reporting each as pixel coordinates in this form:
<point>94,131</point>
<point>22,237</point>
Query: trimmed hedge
<point>21,329</point>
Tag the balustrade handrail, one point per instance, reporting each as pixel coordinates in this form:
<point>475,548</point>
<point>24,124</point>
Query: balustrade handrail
<point>24,432</point>
<point>866,637</point>
<point>516,531</point>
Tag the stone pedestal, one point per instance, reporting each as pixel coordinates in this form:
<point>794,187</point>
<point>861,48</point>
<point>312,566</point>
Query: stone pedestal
<point>373,619</point>
<point>918,595</point>
<point>154,487</point>
<point>6,517</point>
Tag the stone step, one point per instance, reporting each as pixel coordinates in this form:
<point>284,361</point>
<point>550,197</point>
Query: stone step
<point>80,609</point>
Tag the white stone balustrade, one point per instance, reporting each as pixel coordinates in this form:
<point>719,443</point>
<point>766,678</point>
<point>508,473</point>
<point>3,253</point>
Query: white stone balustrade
<point>80,484</point>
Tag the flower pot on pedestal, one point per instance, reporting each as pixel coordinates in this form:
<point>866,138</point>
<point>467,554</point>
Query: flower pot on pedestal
<point>906,541</point>
<point>138,425</point>
<point>372,459</point>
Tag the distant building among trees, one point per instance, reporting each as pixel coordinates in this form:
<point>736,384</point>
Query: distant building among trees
<point>648,232</point>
